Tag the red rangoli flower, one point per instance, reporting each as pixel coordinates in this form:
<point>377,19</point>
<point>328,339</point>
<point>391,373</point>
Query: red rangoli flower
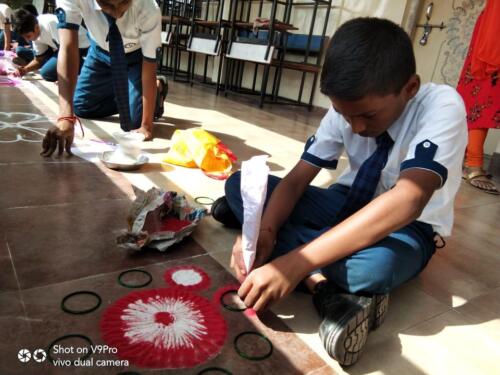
<point>189,277</point>
<point>164,328</point>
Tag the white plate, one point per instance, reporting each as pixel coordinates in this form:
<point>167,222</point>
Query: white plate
<point>109,161</point>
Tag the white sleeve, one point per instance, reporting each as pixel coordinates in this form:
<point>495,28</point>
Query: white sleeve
<point>39,48</point>
<point>69,14</point>
<point>325,147</point>
<point>6,17</point>
<point>150,27</point>
<point>440,143</point>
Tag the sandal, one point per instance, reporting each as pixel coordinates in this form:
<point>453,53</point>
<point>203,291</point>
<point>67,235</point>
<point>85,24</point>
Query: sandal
<point>160,97</point>
<point>480,180</point>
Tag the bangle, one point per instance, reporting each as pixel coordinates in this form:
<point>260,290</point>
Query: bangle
<point>73,120</point>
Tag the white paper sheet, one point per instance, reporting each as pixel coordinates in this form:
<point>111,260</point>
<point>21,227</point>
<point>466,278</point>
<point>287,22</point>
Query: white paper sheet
<point>254,174</point>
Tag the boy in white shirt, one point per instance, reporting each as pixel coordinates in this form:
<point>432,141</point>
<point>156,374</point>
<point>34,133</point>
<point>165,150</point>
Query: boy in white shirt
<point>8,36</point>
<point>354,242</point>
<point>43,32</point>
<point>119,73</point>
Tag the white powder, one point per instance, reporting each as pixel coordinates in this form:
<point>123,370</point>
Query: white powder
<point>185,327</point>
<point>186,277</point>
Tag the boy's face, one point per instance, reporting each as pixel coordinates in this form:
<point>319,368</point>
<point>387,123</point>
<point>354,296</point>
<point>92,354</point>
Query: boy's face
<point>115,8</point>
<point>372,115</point>
<point>33,35</point>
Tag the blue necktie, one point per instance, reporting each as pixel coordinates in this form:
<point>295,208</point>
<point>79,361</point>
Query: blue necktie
<point>119,73</point>
<point>366,181</point>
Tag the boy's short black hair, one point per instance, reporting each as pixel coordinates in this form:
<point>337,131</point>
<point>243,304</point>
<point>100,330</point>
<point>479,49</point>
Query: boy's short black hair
<point>23,22</point>
<point>30,8</point>
<point>367,56</point>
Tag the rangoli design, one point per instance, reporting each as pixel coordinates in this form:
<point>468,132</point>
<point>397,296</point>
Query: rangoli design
<point>164,328</point>
<point>22,127</point>
<point>190,277</point>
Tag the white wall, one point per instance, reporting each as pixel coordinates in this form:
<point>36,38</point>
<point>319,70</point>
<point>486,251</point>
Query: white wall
<point>342,10</point>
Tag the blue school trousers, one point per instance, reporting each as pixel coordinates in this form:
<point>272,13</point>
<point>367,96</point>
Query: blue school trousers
<point>48,71</point>
<point>375,270</point>
<point>22,51</point>
<point>94,94</point>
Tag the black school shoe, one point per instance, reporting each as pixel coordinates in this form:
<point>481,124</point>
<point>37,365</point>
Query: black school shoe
<point>160,97</point>
<point>222,213</point>
<point>347,320</point>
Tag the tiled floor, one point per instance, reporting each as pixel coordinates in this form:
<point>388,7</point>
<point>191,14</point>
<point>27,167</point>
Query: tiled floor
<point>445,321</point>
<point>59,221</point>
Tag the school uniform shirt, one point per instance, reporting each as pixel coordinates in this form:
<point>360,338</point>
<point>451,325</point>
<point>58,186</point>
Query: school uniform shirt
<point>140,26</point>
<point>5,15</point>
<point>430,134</point>
<point>49,35</point>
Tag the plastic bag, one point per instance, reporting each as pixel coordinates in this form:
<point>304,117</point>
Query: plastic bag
<point>197,148</point>
<point>158,219</point>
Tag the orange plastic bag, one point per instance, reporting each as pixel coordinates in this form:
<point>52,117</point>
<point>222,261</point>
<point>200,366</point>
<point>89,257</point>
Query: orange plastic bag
<point>197,148</point>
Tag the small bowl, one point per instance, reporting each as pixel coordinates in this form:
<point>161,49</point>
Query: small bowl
<point>129,143</point>
<point>109,159</point>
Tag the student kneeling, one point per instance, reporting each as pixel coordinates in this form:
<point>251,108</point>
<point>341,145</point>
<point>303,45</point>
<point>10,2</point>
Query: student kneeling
<point>373,230</point>
<point>42,31</point>
<point>119,72</point>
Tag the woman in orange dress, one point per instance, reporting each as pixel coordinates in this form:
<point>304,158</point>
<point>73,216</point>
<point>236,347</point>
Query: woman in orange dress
<point>479,86</point>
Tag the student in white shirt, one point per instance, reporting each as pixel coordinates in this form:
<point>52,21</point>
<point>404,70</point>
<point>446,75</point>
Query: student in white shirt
<point>8,36</point>
<point>5,30</point>
<point>405,144</point>
<point>139,23</point>
<point>43,32</point>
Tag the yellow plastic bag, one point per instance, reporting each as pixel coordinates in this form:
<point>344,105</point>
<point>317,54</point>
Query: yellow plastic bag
<point>197,148</point>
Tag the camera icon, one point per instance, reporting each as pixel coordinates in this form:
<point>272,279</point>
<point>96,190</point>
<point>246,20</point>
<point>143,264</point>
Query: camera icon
<point>24,355</point>
<point>39,355</point>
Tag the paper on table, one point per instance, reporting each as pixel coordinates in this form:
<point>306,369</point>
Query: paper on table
<point>254,174</point>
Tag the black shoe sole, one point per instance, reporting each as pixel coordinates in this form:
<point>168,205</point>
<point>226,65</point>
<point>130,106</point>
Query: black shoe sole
<point>222,213</point>
<point>346,339</point>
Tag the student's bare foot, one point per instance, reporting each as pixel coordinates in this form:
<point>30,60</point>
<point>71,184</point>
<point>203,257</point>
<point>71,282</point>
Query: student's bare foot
<point>478,178</point>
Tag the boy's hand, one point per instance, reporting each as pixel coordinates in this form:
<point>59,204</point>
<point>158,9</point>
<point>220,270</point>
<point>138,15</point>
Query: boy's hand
<point>265,246</point>
<point>60,136</point>
<point>269,283</point>
<point>237,263</point>
<point>20,72</point>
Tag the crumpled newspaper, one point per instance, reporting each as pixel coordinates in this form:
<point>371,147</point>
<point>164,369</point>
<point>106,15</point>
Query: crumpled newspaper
<point>158,219</point>
<point>254,175</point>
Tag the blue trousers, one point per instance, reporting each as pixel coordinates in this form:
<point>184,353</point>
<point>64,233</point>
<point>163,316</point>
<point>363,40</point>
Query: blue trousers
<point>23,52</point>
<point>94,94</point>
<point>375,270</point>
<point>48,71</point>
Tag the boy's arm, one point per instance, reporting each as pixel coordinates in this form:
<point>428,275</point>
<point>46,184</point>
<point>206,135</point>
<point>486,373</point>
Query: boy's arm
<point>7,32</point>
<point>61,136</point>
<point>385,214</point>
<point>148,97</point>
<point>280,205</point>
<point>150,27</point>
<point>35,64</point>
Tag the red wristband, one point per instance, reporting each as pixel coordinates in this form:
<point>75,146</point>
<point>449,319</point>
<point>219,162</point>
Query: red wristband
<point>73,120</point>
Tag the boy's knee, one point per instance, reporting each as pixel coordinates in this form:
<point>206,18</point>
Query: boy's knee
<point>49,76</point>
<point>232,186</point>
<point>377,281</point>
<point>355,276</point>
